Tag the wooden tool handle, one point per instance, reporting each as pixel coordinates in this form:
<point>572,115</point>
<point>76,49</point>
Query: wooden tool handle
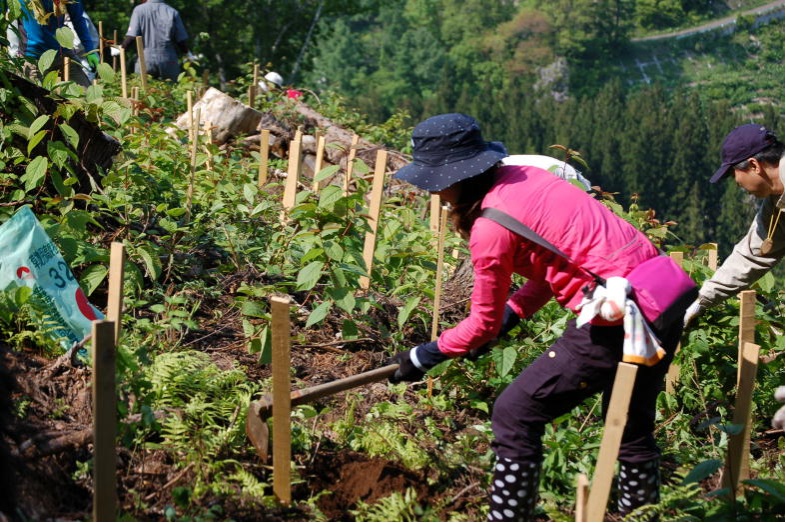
<point>302,396</point>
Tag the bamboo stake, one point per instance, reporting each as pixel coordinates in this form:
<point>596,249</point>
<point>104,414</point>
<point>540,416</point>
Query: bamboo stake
<point>582,491</point>
<point>293,171</point>
<point>101,40</point>
<point>252,91</point>
<point>123,74</point>
<point>282,402</point>
<point>140,51</point>
<point>350,162</point>
<point>104,422</point>
<point>194,144</point>
<point>319,160</point>
<point>616,419</point>
<point>374,206</point>
<point>135,100</point>
<point>114,308</point>
<point>66,68</point>
<point>737,467</point>
<point>190,111</point>
<point>114,42</point>
<point>208,142</point>
<point>673,374</point>
<point>443,225</point>
<point>264,152</point>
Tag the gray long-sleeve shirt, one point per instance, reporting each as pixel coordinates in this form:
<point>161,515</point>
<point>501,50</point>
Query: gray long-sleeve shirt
<point>746,264</point>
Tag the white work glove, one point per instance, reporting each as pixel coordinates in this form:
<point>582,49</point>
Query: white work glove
<point>777,420</point>
<point>191,57</point>
<point>694,311</point>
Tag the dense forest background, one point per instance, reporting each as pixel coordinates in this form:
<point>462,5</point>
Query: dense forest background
<point>647,114</point>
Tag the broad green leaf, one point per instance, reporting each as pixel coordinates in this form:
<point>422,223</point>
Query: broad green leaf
<point>319,313</point>
<point>253,309</point>
<point>309,275</point>
<point>250,193</point>
<point>71,136</point>
<point>46,60</point>
<point>334,250</point>
<point>405,311</point>
<point>349,330</point>
<point>312,254</point>
<point>771,487</point>
<point>57,153</point>
<point>35,140</point>
<point>505,359</point>
<point>329,196</point>
<point>326,173</point>
<point>37,125</point>
<point>344,298</point>
<point>105,72</point>
<point>702,471</point>
<point>35,172</point>
<point>65,37</point>
<point>151,261</point>
<point>92,277</point>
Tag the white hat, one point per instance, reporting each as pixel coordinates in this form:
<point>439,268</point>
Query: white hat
<point>274,78</point>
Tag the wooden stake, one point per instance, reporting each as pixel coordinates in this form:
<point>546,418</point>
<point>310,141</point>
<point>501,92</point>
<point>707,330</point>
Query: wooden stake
<point>140,51</point>
<point>293,171</point>
<point>104,422</point>
<point>616,419</point>
<point>712,257</point>
<point>282,402</point>
<point>374,207</point>
<point>435,213</point>
<point>114,307</point>
<point>319,160</point>
<point>350,162</point>
<point>443,225</point>
<point>264,152</point>
<point>66,68</point>
<point>208,142</point>
<point>737,467</point>
<point>123,74</point>
<point>582,491</point>
<point>673,375</point>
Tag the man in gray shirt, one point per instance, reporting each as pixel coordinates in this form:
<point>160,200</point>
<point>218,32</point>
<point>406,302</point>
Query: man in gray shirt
<point>163,35</point>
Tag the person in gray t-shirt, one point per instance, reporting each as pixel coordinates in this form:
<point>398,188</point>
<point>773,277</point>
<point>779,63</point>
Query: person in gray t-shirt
<point>163,35</point>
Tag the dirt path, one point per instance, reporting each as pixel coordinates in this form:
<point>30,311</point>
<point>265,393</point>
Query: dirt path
<point>762,13</point>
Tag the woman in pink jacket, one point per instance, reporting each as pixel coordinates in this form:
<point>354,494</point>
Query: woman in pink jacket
<point>590,243</point>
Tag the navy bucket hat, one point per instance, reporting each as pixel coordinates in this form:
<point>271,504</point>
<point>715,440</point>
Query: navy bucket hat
<point>446,149</point>
<point>743,142</point>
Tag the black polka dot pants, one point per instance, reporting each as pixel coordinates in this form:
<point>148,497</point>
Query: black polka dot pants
<point>514,490</point>
<point>638,484</point>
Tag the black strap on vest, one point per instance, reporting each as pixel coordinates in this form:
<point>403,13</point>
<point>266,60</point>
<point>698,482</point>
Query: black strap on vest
<point>514,225</point>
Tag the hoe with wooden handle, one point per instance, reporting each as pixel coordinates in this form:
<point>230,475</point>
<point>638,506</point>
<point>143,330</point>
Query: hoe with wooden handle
<point>260,410</point>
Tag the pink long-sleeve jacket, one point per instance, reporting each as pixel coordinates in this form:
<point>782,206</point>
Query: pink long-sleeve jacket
<point>571,220</point>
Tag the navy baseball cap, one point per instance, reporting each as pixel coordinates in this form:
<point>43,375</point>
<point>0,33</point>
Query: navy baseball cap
<point>446,149</point>
<point>745,141</point>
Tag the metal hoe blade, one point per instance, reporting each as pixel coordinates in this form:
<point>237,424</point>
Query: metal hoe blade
<point>259,411</point>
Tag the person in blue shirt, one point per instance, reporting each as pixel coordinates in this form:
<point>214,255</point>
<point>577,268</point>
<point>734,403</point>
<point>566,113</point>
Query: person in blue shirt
<point>39,24</point>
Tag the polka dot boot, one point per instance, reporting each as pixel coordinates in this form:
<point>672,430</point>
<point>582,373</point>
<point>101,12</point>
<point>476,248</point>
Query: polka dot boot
<point>638,485</point>
<point>514,490</point>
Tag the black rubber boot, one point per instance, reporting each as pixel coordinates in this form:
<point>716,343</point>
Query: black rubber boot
<point>514,490</point>
<point>638,484</point>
